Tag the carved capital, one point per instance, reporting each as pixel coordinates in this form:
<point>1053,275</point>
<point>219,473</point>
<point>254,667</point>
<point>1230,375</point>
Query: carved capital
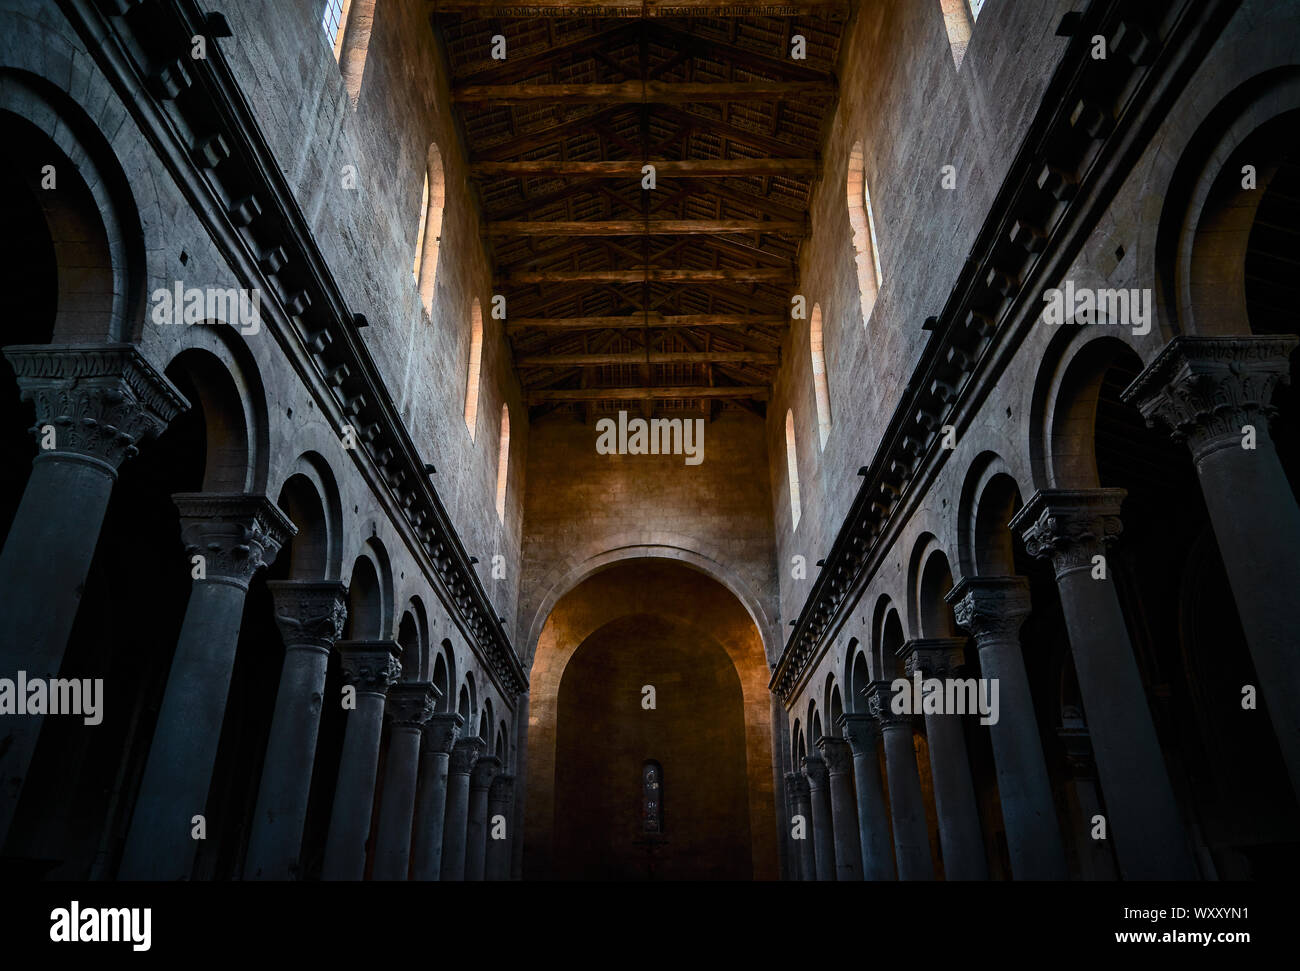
<point>441,732</point>
<point>370,665</point>
<point>836,754</point>
<point>484,771</point>
<point>814,769</point>
<point>879,697</point>
<point>465,753</point>
<point>235,534</point>
<point>797,785</point>
<point>101,399</point>
<point>411,704</point>
<point>502,791</point>
<point>1069,526</point>
<point>934,657</point>
<point>309,613</point>
<point>991,608</point>
<point>862,732</point>
<point>1204,389</point>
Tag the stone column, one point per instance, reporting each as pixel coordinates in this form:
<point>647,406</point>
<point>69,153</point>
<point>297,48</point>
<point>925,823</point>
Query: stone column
<point>823,826</point>
<point>521,790</point>
<point>785,827</point>
<point>1095,860</point>
<point>230,537</point>
<point>408,707</point>
<point>372,667</point>
<point>463,756</point>
<point>906,804</point>
<point>992,609</point>
<point>310,615</point>
<point>873,818</point>
<point>480,780</point>
<point>1071,527</point>
<point>1207,390</point>
<point>499,824</point>
<point>806,848</point>
<point>94,403</point>
<point>440,734</point>
<point>844,820</point>
<point>941,659</point>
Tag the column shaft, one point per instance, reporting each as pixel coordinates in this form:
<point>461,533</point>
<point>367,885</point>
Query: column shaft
<point>844,819</point>
<point>823,826</point>
<point>807,846</point>
<point>499,835</point>
<point>873,816</point>
<point>456,822</point>
<point>906,804</point>
<point>440,734</point>
<point>476,829</point>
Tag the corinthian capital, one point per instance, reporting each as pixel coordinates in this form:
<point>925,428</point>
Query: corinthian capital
<point>484,771</point>
<point>1204,389</point>
<point>862,731</point>
<point>441,732</point>
<point>309,613</point>
<point>1069,526</point>
<point>934,657</point>
<point>879,698</point>
<point>991,608</point>
<point>370,665</point>
<point>411,704</point>
<point>101,399</point>
<point>465,753</point>
<point>502,791</point>
<point>235,534</point>
<point>814,769</point>
<point>836,754</point>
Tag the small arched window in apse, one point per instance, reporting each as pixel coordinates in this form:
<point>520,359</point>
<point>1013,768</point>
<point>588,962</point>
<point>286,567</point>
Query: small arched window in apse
<point>475,363</point>
<point>821,387</point>
<point>863,222</point>
<point>958,19</point>
<point>792,468</point>
<point>503,463</point>
<point>348,25</point>
<point>428,236</point>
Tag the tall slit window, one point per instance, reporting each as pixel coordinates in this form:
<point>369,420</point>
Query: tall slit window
<point>348,25</point>
<point>958,19</point>
<point>428,235</point>
<point>792,468</point>
<point>503,463</point>
<point>475,363</point>
<point>332,22</point>
<point>863,223</point>
<point>821,388</point>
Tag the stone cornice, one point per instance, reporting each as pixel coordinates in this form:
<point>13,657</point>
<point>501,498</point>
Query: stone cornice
<point>1094,117</point>
<point>196,118</point>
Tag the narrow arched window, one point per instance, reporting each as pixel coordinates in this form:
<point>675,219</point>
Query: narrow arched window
<point>475,361</point>
<point>792,468</point>
<point>821,388</point>
<point>652,797</point>
<point>503,463</point>
<point>429,234</point>
<point>863,222</point>
<point>348,25</point>
<point>958,18</point>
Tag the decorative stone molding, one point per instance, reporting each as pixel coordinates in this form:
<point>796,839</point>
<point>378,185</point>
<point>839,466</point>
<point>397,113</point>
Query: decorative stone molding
<point>465,753</point>
<point>441,732</point>
<point>411,704</point>
<point>991,608</point>
<point>815,771</point>
<point>836,754</point>
<point>101,399</point>
<point>1070,526</point>
<point>484,771</point>
<point>862,732</point>
<point>1204,389</point>
<point>235,534</point>
<point>934,657</point>
<point>370,665</point>
<point>309,613</point>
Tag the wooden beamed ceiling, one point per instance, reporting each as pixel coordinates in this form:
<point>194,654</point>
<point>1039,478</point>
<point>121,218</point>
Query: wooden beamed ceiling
<point>672,298</point>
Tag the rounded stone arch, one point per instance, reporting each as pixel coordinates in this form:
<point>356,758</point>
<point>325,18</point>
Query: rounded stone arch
<point>1084,369</point>
<point>465,707</point>
<point>834,706</point>
<point>888,637</point>
<point>443,677</point>
<point>309,496</point>
<point>798,746</point>
<point>92,212</point>
<point>408,638</point>
<point>562,580</point>
<point>814,722</point>
<point>1205,224</point>
<point>486,722</point>
<point>859,679</point>
<point>220,379</point>
<point>990,496</point>
<point>370,594</point>
<point>502,747</point>
<point>929,579</point>
<point>416,606</point>
<point>878,614</point>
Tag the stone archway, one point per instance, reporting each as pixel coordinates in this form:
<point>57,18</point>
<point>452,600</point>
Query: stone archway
<point>710,675</point>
